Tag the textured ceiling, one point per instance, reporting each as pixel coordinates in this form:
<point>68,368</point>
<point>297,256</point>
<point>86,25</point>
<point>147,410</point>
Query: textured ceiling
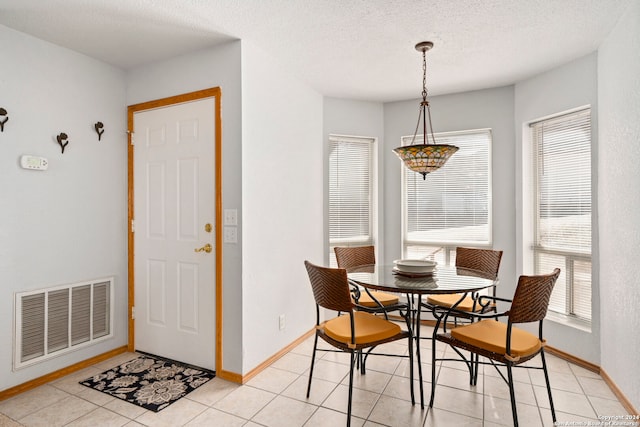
<point>358,49</point>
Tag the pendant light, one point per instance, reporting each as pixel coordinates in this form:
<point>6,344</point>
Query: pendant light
<point>428,156</point>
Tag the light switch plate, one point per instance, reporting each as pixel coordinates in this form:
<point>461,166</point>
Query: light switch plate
<point>230,217</point>
<point>230,235</point>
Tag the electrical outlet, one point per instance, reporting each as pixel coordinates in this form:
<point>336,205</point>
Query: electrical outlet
<point>281,322</point>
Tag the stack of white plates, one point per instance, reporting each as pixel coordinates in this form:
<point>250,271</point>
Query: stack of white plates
<point>414,266</point>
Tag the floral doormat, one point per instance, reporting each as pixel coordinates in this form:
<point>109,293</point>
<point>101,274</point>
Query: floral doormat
<point>150,381</point>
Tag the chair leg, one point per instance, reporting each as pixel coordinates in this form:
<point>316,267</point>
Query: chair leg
<point>433,368</point>
<point>351,367</point>
<point>512,394</point>
<point>546,378</point>
<point>313,359</point>
<point>413,398</point>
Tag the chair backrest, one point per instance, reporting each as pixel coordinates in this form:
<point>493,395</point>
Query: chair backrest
<point>354,256</point>
<point>531,300</point>
<point>330,287</point>
<point>485,260</point>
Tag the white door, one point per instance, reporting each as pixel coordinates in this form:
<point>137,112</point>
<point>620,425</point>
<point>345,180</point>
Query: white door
<point>174,215</point>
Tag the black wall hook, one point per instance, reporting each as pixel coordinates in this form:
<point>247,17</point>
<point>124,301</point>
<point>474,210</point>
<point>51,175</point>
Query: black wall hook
<point>99,127</point>
<point>62,140</point>
<point>3,113</point>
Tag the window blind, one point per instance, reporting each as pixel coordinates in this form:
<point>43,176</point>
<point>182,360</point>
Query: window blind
<point>453,205</point>
<point>562,147</point>
<point>350,190</point>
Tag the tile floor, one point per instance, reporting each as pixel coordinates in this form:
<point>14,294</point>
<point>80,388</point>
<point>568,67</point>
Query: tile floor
<point>276,397</point>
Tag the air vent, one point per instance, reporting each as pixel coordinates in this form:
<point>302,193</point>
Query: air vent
<point>53,321</point>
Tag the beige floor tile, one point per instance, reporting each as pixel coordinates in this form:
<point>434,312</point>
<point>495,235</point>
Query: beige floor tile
<point>71,383</point>
<point>324,417</point>
<point>498,411</point>
<point>362,403</point>
<point>384,364</point>
<point>340,357</point>
<point>555,364</point>
<point>396,412</point>
<point>124,408</point>
<point>496,387</point>
<point>330,371</point>
<point>519,374</point>
<point>59,413</point>
<point>273,415</point>
<point>244,402</point>
<point>371,381</point>
<point>458,379</point>
<point>293,362</point>
<point>558,380</point>
<point>439,417</point>
<point>596,387</point>
<point>320,390</point>
<point>607,407</point>
<point>398,387</point>
<point>29,402</point>
<point>100,417</point>
<point>455,400</point>
<point>579,371</point>
<point>8,422</point>
<point>212,391</point>
<point>214,418</point>
<point>177,414</point>
<point>273,380</point>
<point>565,401</point>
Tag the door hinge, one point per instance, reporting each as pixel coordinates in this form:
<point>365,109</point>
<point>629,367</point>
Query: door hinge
<point>133,225</point>
<point>132,135</point>
<point>133,313</point>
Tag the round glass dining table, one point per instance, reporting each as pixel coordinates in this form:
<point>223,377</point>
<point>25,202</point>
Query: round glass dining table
<point>443,280</point>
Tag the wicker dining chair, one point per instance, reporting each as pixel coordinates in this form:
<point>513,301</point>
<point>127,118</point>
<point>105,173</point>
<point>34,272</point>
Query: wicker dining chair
<point>502,343</point>
<point>354,331</point>
<point>371,301</point>
<point>486,261</point>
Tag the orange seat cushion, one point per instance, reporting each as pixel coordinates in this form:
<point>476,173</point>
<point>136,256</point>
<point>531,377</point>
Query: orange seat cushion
<point>449,300</point>
<point>368,328</point>
<point>384,298</point>
<point>492,336</point>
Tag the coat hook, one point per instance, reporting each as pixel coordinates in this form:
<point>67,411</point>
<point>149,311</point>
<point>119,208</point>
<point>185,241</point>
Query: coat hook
<point>62,137</point>
<point>99,127</point>
<point>3,113</point>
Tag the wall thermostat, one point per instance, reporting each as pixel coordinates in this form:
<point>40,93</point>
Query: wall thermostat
<point>34,162</point>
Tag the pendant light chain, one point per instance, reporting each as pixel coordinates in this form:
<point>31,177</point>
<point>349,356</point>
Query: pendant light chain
<point>424,75</point>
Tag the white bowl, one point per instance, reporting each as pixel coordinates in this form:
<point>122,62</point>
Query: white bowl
<point>415,265</point>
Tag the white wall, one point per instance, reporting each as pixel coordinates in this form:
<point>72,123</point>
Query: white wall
<point>282,215</point>
<point>619,202</point>
<point>490,108</point>
<point>355,118</point>
<point>218,66</point>
<point>567,87</point>
<point>67,224</point>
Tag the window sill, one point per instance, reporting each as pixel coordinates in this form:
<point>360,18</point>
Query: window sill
<point>569,321</point>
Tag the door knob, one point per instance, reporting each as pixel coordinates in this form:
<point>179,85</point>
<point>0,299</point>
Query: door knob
<point>206,248</point>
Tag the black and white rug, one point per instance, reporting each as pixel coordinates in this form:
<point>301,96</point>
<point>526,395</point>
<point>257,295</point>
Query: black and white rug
<point>150,381</point>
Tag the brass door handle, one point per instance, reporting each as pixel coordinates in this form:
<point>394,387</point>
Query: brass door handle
<point>206,248</point>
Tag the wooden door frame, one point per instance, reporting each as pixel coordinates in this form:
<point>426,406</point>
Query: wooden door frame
<point>159,103</point>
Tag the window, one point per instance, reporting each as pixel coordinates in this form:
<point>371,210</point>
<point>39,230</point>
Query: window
<point>452,207</point>
<point>350,192</point>
<point>562,234</point>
